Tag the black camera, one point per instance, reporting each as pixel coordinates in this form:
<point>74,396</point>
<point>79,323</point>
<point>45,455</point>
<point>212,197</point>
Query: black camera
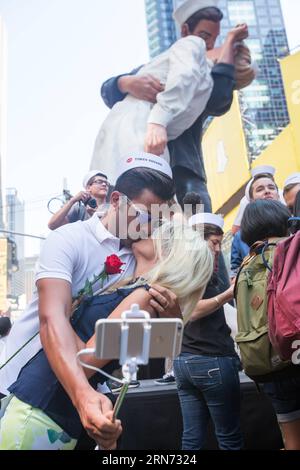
<point>91,202</point>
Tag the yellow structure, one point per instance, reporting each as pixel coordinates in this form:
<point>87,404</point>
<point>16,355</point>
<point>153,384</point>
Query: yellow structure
<point>290,68</point>
<point>225,151</point>
<point>225,156</point>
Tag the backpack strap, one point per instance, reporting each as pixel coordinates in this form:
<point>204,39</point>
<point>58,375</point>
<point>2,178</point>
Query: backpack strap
<point>257,247</point>
<point>294,224</point>
<point>257,385</point>
<point>267,245</point>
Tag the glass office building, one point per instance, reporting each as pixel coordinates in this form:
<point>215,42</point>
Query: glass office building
<point>160,25</point>
<point>15,216</point>
<point>263,104</point>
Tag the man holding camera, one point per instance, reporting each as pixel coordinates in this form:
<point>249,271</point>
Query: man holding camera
<point>85,203</point>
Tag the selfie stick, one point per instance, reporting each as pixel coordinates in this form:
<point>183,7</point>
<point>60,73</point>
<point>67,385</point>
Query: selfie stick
<point>130,364</point>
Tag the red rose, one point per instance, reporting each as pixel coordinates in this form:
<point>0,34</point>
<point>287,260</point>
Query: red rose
<point>113,265</point>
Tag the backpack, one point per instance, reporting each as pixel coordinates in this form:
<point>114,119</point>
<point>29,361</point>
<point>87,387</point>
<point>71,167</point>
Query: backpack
<point>284,297</point>
<point>258,355</point>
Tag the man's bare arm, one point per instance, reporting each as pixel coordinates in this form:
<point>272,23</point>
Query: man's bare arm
<point>61,217</point>
<point>59,342</point>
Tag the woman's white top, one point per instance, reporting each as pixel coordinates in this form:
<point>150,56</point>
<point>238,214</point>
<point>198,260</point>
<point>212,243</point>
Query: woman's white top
<point>186,73</point>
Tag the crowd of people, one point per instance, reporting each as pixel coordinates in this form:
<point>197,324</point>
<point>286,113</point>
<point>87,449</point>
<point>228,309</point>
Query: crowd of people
<point>147,167</point>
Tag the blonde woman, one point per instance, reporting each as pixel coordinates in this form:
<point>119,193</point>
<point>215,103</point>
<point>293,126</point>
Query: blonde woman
<point>40,414</point>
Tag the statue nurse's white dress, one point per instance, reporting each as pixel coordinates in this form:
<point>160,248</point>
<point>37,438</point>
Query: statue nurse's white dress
<point>186,73</point>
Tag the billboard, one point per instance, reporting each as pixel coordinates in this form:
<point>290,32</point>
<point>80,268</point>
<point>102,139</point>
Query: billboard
<point>290,67</point>
<point>225,156</point>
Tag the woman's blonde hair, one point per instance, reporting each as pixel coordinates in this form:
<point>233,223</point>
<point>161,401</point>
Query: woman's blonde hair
<point>184,264</point>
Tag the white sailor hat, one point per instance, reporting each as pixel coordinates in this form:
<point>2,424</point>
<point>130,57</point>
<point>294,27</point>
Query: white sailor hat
<point>144,160</point>
<point>292,179</point>
<point>207,218</point>
<point>90,175</point>
<point>243,204</point>
<point>262,170</point>
<point>259,170</point>
<point>189,7</point>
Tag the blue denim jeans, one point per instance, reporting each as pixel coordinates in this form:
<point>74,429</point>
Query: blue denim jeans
<point>285,396</point>
<point>209,387</point>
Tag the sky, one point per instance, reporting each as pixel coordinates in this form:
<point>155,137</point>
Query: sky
<point>59,52</point>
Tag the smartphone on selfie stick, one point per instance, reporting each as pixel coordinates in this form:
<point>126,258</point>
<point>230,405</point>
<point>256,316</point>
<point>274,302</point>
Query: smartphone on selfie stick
<point>134,339</point>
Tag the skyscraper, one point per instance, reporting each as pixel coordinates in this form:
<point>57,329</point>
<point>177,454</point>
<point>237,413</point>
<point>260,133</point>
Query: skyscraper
<point>160,25</point>
<point>30,269</point>
<point>15,223</point>
<point>263,103</point>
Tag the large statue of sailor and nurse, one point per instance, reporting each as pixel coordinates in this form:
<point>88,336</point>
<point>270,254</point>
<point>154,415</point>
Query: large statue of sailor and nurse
<point>184,72</point>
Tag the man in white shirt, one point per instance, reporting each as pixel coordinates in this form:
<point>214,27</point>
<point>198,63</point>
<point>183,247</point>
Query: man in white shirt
<point>71,255</point>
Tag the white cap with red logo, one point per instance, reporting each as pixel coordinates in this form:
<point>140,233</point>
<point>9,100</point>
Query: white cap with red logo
<point>144,160</point>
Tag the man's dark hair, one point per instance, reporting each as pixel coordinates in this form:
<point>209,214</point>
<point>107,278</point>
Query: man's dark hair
<point>264,219</point>
<point>258,177</point>
<point>135,181</point>
<point>5,326</point>
<point>91,180</point>
<point>210,14</point>
<point>211,229</point>
<point>192,199</point>
<point>97,174</point>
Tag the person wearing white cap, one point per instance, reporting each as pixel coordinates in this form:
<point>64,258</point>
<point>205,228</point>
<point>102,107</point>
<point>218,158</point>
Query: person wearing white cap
<point>262,191</point>
<point>207,370</point>
<point>186,74</point>
<point>261,186</point>
<point>291,189</point>
<point>70,256</point>
<point>261,171</point>
<point>84,204</point>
